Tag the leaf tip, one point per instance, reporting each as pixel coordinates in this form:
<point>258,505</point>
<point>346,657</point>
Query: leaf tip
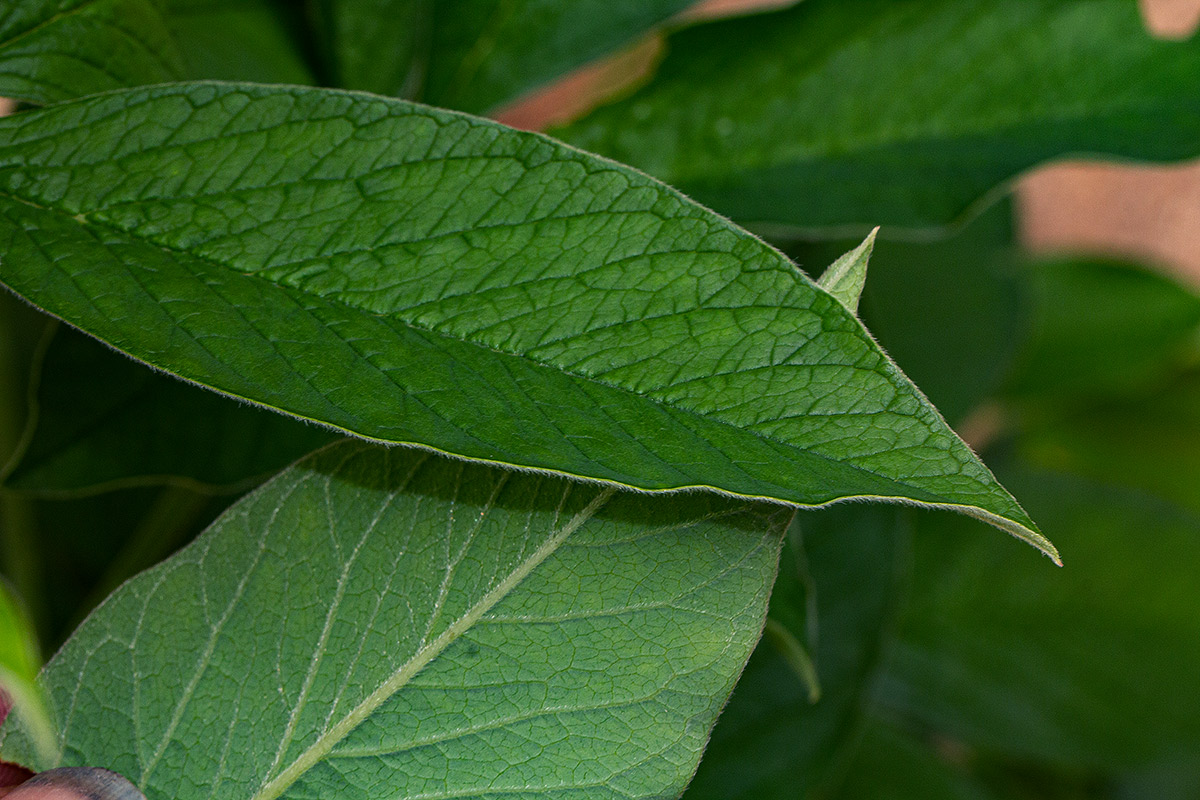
<point>845,278</point>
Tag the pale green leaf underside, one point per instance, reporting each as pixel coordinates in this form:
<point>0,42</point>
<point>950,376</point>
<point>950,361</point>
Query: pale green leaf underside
<point>385,623</point>
<point>833,114</point>
<point>845,278</point>
<point>412,275</point>
<point>58,49</point>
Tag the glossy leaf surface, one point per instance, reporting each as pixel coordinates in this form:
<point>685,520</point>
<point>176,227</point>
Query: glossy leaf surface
<point>834,114</point>
<point>383,622</point>
<point>53,50</point>
<point>412,275</point>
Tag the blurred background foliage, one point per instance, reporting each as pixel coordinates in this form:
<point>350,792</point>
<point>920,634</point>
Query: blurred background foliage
<point>950,662</point>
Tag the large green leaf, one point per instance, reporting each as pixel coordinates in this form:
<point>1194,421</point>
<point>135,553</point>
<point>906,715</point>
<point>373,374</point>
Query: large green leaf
<point>57,49</point>
<point>413,275</point>
<point>105,421</point>
<point>774,740</point>
<point>901,112</point>
<point>383,622</point>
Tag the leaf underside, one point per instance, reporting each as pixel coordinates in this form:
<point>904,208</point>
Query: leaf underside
<point>417,276</point>
<point>390,623</point>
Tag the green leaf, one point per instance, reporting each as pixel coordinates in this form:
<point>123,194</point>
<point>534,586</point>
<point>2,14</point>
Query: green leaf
<point>106,422</point>
<point>1092,668</point>
<point>483,53</point>
<point>1150,441</point>
<point>19,664</point>
<point>416,276</point>
<point>240,40</point>
<point>891,764</point>
<point>952,312</point>
<point>380,46</point>
<point>835,114</point>
<point>1104,329</point>
<point>772,741</point>
<point>477,54</point>
<point>382,622</point>
<point>845,278</point>
<point>53,50</point>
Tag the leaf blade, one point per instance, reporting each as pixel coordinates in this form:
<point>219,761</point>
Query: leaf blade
<point>638,338</point>
<point>374,636</point>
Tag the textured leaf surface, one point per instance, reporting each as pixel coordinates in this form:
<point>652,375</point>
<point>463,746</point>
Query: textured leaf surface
<point>387,623</point>
<point>772,741</point>
<point>106,421</point>
<point>951,312</point>
<point>416,276</point>
<point>57,49</point>
<point>846,113</point>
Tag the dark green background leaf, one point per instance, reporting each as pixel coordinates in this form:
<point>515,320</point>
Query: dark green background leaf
<point>897,112</point>
<point>106,421</point>
<point>58,49</point>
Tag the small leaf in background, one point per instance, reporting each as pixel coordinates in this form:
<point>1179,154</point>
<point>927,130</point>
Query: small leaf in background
<point>834,114</point>
<point>262,41</point>
<point>106,421</point>
<point>383,622</point>
<point>772,741</point>
<point>1149,441</point>
<point>380,46</point>
<point>845,278</point>
<point>53,50</point>
<point>19,665</point>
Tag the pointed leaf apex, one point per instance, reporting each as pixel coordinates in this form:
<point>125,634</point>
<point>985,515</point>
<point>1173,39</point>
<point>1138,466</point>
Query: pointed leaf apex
<point>845,278</point>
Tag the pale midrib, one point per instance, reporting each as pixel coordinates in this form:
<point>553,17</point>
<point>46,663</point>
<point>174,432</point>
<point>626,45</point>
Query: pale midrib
<point>327,741</point>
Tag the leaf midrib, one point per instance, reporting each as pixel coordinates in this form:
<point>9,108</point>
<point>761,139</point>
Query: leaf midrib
<point>85,222</point>
<point>276,786</point>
